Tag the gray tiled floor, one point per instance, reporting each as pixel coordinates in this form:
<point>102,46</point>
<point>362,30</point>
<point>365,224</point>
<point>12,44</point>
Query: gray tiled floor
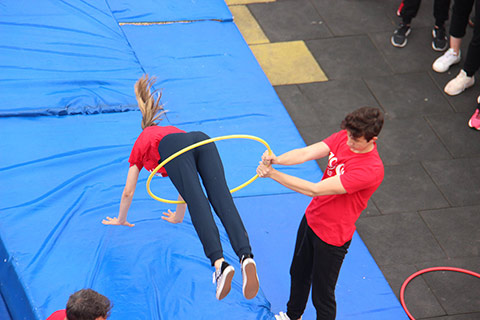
<point>427,211</point>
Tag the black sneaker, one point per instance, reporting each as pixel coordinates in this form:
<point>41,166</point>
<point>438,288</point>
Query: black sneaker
<point>250,278</point>
<point>223,278</point>
<point>440,41</point>
<point>399,38</point>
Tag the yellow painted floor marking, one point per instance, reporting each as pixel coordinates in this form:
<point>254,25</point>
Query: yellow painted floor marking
<point>288,63</point>
<point>248,26</point>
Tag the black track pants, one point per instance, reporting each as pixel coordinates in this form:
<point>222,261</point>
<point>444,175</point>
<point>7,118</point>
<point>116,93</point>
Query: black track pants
<point>315,264</point>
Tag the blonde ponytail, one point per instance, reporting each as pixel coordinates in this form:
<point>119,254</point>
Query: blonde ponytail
<point>152,110</point>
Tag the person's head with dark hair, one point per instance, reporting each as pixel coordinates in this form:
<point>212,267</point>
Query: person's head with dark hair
<point>87,304</point>
<point>363,126</point>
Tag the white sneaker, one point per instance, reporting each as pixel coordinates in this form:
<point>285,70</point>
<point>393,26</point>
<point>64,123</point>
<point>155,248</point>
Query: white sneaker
<point>459,84</point>
<point>223,277</point>
<point>281,316</point>
<point>448,59</point>
<point>250,278</point>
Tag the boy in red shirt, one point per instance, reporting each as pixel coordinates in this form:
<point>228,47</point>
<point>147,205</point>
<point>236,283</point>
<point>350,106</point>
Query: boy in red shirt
<point>353,173</point>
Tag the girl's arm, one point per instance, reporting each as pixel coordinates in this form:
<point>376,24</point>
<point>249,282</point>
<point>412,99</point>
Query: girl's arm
<point>126,200</point>
<point>176,216</point>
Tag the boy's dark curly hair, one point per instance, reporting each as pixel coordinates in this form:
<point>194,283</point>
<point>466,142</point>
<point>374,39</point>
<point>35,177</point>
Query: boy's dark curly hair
<point>365,122</point>
<point>87,304</point>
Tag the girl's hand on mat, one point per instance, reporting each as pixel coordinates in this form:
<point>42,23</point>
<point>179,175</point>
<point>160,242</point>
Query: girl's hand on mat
<point>268,159</point>
<point>116,222</point>
<point>171,216</point>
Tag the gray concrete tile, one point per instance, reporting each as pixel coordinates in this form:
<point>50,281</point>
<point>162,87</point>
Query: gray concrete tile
<point>468,316</point>
<point>458,179</point>
<point>419,299</point>
<point>317,109</point>
<point>371,210</point>
<point>464,102</point>
<point>408,95</point>
<point>333,100</point>
<point>312,134</point>
<point>454,132</point>
<point>458,293</point>
<point>407,188</point>
<point>399,239</point>
<point>416,56</point>
<point>345,17</point>
<point>415,133</point>
<point>456,229</point>
<point>298,106</point>
<point>290,20</point>
<point>339,60</point>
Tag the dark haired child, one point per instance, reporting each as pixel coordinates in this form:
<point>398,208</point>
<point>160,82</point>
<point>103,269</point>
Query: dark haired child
<point>85,304</point>
<point>353,173</point>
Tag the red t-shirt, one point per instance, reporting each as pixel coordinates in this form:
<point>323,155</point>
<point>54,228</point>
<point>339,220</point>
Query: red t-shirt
<point>58,315</point>
<point>333,217</point>
<point>145,150</point>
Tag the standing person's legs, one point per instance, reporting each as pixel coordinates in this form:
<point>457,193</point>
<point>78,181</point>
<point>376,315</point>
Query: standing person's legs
<point>210,168</point>
<point>458,24</point>
<point>441,9</point>
<point>409,10</point>
<point>300,273</point>
<point>465,78</point>
<point>472,61</point>
<point>327,262</point>
<point>460,13</point>
<point>182,171</point>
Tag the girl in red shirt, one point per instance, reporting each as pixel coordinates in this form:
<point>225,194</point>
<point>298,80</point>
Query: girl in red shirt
<point>159,142</point>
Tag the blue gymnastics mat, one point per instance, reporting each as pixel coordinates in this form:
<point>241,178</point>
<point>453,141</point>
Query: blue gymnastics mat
<point>63,57</point>
<point>169,11</point>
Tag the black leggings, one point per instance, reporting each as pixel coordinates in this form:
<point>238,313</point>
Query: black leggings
<point>460,13</point>
<point>183,171</point>
<point>315,264</point>
<point>472,61</point>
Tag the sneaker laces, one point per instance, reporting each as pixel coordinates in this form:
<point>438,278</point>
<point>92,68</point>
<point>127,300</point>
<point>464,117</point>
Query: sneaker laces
<point>450,54</point>
<point>216,275</point>
<point>402,29</point>
<point>462,75</point>
<point>440,33</point>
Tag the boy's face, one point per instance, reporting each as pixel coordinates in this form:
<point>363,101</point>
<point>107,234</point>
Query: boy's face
<point>360,145</point>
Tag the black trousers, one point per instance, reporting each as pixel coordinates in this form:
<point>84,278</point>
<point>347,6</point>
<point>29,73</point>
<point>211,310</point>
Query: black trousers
<point>472,61</point>
<point>460,13</point>
<point>184,173</point>
<point>315,264</point>
<point>441,9</point>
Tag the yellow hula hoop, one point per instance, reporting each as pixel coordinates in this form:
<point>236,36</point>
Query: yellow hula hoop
<point>198,144</point>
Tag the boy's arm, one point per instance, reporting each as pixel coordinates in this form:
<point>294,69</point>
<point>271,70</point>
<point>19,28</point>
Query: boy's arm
<point>296,156</point>
<point>325,187</point>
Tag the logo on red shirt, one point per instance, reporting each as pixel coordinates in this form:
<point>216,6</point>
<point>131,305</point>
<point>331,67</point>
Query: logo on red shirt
<point>333,167</point>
